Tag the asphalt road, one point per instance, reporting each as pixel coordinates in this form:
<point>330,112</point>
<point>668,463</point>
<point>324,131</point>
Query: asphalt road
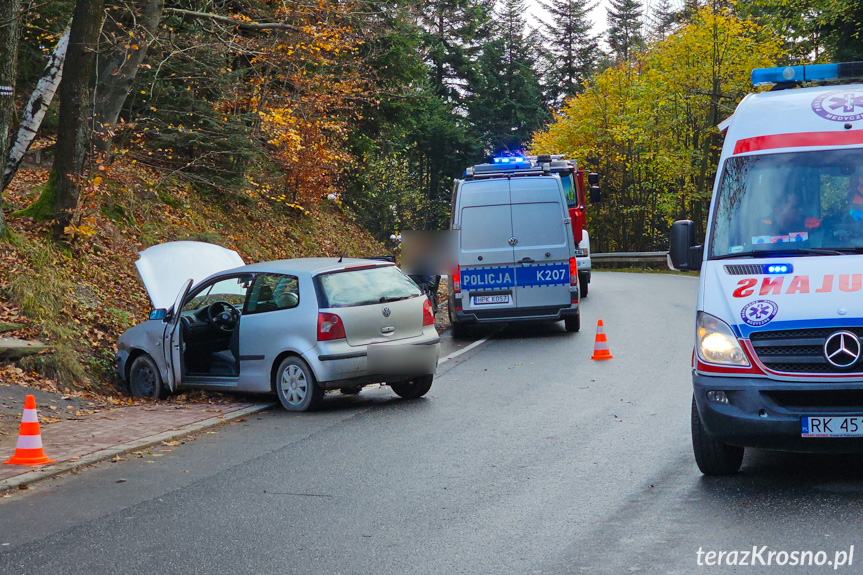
<point>526,457</point>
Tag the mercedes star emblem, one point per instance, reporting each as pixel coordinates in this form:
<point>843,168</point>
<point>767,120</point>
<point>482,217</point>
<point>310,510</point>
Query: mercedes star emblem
<point>842,349</point>
<point>386,311</point>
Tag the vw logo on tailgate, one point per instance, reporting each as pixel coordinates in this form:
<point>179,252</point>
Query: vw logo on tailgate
<point>386,311</point>
<point>842,349</point>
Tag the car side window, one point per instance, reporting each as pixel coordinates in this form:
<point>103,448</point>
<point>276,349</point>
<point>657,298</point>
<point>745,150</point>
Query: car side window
<point>231,290</point>
<point>273,292</point>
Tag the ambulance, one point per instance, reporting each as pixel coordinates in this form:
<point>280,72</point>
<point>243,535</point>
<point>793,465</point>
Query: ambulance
<point>778,359</point>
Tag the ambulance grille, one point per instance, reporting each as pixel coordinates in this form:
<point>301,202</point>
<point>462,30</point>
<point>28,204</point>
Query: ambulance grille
<point>798,350</point>
<point>744,269</point>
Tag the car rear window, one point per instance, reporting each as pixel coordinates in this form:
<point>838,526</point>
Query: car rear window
<point>364,287</point>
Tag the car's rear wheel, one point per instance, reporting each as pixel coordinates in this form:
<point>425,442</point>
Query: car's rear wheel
<point>582,284</point>
<point>145,379</point>
<point>713,457</point>
<point>296,386</point>
<point>417,387</point>
<point>573,324</point>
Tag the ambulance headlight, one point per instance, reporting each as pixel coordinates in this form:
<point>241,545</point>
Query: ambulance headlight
<point>716,343</point>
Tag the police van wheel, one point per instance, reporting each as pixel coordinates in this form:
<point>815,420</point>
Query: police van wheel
<point>713,457</point>
<point>573,324</point>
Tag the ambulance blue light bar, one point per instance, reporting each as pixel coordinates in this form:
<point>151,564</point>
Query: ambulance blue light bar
<point>515,160</point>
<point>778,269</point>
<point>807,73</point>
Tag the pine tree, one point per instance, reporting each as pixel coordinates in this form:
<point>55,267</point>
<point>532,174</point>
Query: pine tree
<point>569,50</point>
<point>507,105</point>
<point>625,36</point>
<point>661,18</point>
<point>453,34</point>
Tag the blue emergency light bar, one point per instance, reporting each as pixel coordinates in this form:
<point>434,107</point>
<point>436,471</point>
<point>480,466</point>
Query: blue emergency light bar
<point>515,160</point>
<point>807,73</point>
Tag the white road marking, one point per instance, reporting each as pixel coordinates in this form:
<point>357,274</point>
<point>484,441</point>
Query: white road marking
<point>463,350</point>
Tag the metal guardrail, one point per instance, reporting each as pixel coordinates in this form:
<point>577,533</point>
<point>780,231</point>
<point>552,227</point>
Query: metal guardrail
<point>630,257</point>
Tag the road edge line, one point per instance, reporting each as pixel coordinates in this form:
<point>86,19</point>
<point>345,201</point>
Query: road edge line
<point>465,349</point>
<point>110,452</point>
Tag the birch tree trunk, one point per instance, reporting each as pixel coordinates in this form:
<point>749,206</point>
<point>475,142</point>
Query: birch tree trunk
<point>10,16</point>
<point>120,63</point>
<point>35,110</point>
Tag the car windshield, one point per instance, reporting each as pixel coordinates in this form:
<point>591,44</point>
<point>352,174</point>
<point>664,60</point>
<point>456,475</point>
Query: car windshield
<point>365,286</point>
<point>803,202</point>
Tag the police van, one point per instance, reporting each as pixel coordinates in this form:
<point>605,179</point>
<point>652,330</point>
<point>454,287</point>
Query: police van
<point>777,361</point>
<point>514,243</point>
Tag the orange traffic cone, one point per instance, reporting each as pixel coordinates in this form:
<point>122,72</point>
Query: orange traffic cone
<point>600,348</point>
<point>29,449</point>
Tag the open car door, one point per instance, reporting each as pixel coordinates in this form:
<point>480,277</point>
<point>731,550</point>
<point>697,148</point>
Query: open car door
<point>172,343</point>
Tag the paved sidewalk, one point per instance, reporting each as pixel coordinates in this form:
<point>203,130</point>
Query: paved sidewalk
<point>103,435</point>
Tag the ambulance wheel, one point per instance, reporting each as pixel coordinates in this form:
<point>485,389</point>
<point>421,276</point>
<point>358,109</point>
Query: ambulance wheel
<point>415,388</point>
<point>145,380</point>
<point>713,457</point>
<point>582,284</point>
<point>573,324</point>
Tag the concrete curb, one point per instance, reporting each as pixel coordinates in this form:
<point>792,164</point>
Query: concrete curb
<point>102,455</point>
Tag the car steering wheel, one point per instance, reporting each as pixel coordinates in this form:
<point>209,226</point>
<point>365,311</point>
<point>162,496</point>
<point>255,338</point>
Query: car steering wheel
<point>223,316</point>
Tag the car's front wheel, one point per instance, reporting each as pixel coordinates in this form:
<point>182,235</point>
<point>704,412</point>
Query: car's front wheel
<point>417,387</point>
<point>145,379</point>
<point>296,387</point>
<point>713,457</point>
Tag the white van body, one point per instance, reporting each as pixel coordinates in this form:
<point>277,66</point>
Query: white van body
<point>515,253</point>
<point>777,361</point>
<point>582,261</point>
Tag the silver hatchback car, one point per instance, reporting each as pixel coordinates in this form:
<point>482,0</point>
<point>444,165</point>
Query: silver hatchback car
<point>294,327</point>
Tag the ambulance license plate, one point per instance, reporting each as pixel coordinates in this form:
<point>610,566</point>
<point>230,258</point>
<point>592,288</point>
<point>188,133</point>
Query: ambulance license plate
<point>490,299</point>
<point>832,426</point>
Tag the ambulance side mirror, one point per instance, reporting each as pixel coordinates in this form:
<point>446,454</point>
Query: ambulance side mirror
<point>683,254</point>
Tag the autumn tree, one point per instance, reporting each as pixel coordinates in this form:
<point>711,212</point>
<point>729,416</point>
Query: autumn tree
<point>649,127</point>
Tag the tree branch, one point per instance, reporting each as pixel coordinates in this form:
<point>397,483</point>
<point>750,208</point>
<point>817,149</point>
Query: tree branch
<point>238,23</point>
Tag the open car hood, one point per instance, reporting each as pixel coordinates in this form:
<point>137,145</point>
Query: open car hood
<point>164,268</point>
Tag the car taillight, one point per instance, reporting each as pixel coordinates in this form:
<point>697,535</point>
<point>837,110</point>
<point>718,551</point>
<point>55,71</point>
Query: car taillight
<point>573,272</point>
<point>455,278</point>
<point>428,316</point>
<point>330,327</point>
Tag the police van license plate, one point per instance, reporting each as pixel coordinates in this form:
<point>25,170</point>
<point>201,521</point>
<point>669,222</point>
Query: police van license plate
<point>833,426</point>
<point>490,299</point>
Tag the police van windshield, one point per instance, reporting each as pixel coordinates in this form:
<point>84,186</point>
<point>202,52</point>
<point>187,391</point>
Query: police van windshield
<point>803,202</point>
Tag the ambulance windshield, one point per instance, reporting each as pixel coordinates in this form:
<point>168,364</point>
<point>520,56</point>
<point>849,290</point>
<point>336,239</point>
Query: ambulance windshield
<point>801,201</point>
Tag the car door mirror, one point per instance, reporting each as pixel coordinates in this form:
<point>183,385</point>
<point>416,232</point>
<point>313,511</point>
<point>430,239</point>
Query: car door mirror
<point>682,251</point>
<point>158,314</point>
